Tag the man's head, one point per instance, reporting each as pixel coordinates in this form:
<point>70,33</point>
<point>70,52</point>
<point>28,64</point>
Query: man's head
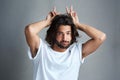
<point>62,31</point>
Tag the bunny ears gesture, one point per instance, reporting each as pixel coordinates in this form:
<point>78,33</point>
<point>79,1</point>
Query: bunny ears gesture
<point>70,12</point>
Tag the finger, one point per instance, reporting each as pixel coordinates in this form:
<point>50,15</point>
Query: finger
<point>75,14</point>
<point>54,9</point>
<point>71,8</point>
<point>67,10</point>
<point>53,13</point>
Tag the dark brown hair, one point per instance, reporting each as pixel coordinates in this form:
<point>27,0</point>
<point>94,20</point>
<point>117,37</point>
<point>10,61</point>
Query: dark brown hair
<point>62,19</point>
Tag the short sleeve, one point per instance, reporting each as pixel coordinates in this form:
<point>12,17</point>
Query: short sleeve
<point>80,51</point>
<point>38,52</point>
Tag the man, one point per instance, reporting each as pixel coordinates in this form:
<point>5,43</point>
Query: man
<point>61,58</point>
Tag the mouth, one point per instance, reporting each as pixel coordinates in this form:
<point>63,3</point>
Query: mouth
<point>65,42</point>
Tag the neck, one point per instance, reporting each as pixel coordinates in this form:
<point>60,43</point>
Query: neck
<point>56,48</point>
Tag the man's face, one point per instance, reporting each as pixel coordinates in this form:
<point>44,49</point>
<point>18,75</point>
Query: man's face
<point>64,36</point>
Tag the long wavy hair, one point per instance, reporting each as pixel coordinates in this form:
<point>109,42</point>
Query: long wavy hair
<point>62,19</point>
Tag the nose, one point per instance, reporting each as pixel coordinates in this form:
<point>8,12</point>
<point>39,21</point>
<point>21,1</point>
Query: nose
<point>64,37</point>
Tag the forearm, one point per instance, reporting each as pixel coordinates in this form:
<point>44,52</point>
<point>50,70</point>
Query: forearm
<point>37,26</point>
<point>91,31</point>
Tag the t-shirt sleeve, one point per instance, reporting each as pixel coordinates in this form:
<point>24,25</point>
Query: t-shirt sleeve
<point>80,51</point>
<point>38,52</point>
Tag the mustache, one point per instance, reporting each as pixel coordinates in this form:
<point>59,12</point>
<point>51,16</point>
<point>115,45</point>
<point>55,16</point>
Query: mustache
<point>65,41</point>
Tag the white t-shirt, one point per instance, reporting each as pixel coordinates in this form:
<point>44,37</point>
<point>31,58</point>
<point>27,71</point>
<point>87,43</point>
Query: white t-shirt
<point>53,65</point>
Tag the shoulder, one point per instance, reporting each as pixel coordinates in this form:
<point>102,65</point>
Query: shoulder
<point>43,44</point>
<point>42,47</point>
<point>76,46</point>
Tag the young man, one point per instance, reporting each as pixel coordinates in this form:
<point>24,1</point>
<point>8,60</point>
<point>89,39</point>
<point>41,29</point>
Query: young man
<point>61,59</point>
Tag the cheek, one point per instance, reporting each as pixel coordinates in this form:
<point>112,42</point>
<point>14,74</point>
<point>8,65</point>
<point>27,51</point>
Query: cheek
<point>70,38</point>
<point>58,38</point>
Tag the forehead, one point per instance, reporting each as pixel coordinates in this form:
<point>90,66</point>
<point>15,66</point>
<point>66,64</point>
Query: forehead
<point>64,28</point>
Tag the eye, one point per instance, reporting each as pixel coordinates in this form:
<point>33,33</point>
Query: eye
<point>59,33</point>
<point>68,33</point>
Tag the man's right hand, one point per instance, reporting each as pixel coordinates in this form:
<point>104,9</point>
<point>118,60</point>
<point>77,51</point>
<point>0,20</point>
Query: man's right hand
<point>32,30</point>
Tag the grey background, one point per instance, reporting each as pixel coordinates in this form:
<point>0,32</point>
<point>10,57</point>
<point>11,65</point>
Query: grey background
<point>103,64</point>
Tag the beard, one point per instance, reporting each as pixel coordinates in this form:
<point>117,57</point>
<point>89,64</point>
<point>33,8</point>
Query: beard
<point>63,44</point>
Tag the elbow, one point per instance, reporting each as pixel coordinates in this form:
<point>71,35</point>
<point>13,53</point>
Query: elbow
<point>102,38</point>
<point>28,29</point>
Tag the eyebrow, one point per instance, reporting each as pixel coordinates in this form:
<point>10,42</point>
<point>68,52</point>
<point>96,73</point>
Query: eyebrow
<point>66,31</point>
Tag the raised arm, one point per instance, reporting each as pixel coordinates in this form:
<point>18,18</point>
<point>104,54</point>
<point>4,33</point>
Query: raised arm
<point>32,30</point>
<point>97,36</point>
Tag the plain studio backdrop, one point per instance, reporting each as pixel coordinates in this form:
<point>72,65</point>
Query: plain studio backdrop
<point>104,15</point>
